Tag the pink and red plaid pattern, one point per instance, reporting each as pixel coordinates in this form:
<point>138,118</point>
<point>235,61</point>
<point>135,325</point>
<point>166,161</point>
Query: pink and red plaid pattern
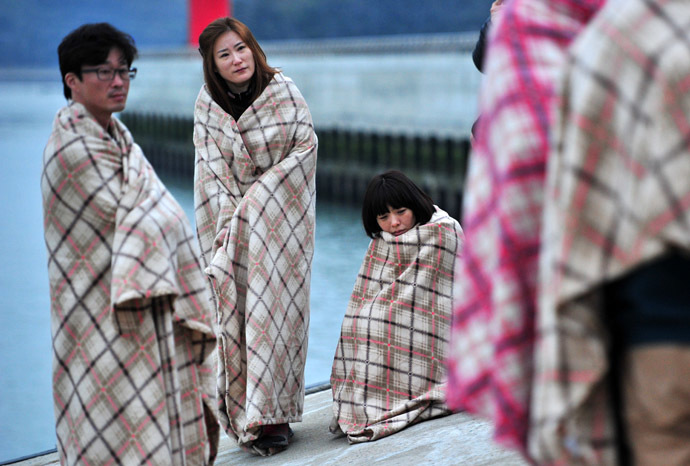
<point>133,338</point>
<point>388,370</point>
<point>618,196</point>
<point>491,361</point>
<point>254,200</point>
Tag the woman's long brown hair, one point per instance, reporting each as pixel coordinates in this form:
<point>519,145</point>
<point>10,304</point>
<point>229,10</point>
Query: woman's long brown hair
<point>214,82</point>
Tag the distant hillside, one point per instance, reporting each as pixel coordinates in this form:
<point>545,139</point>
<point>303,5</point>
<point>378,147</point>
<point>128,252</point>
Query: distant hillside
<point>306,19</point>
<point>30,30</point>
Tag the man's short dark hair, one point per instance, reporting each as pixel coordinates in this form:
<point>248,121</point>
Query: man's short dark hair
<point>90,44</point>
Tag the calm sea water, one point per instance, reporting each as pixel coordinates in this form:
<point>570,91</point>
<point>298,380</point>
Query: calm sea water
<point>26,409</point>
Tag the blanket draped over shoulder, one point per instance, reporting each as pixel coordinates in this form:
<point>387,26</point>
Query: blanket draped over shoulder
<point>490,367</point>
<point>619,197</point>
<point>388,370</point>
<point>254,200</point>
<point>133,339</point>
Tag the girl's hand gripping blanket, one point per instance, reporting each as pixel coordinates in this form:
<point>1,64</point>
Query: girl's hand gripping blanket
<point>388,370</point>
<point>254,200</point>
<point>132,327</point>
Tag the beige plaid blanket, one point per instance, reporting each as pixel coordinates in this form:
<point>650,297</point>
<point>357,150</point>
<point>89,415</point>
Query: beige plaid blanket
<point>254,199</point>
<point>133,340</point>
<point>619,196</point>
<point>388,370</point>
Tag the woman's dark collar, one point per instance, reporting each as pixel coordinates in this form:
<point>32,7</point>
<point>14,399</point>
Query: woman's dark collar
<point>241,95</point>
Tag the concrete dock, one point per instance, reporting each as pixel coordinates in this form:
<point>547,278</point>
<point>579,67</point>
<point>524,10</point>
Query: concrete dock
<point>458,439</point>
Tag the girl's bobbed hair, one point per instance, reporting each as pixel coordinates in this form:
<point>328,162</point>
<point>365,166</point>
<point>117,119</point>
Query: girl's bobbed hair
<point>394,189</point>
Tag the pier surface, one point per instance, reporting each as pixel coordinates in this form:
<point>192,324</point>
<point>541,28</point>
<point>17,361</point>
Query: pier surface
<point>458,439</point>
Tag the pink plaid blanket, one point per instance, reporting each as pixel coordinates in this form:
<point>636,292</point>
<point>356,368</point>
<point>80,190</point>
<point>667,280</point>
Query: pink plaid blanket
<point>133,339</point>
<point>491,363</point>
<point>619,196</point>
<point>254,199</point>
<point>388,370</point>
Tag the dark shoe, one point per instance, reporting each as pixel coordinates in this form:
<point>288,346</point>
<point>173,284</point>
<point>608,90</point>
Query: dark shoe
<point>274,436</point>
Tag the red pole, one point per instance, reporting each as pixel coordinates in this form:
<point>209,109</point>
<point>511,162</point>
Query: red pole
<point>202,12</point>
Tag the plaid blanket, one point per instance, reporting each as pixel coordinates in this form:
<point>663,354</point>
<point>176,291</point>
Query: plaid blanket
<point>388,370</point>
<point>490,368</point>
<point>619,196</point>
<point>254,199</point>
<point>133,340</point>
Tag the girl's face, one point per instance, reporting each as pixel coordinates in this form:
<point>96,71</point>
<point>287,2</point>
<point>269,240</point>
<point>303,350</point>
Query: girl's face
<point>396,221</point>
<point>234,61</point>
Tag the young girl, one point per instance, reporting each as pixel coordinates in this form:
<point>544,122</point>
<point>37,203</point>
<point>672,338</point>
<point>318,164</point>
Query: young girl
<point>388,369</point>
<point>394,204</point>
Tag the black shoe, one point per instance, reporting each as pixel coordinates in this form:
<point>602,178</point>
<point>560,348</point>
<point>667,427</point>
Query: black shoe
<point>276,437</point>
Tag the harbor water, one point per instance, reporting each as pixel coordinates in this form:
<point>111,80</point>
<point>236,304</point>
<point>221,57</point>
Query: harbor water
<point>26,408</point>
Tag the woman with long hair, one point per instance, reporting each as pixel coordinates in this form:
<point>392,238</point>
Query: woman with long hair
<point>254,202</point>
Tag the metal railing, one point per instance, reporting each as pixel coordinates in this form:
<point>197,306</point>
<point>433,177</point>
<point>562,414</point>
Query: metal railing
<point>453,42</point>
<point>347,159</point>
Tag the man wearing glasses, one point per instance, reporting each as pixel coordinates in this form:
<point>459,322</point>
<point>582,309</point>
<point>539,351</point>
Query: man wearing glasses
<point>131,317</point>
<point>102,89</point>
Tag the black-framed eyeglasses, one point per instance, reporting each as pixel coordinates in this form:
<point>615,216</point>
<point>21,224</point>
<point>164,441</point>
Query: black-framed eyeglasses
<point>108,74</point>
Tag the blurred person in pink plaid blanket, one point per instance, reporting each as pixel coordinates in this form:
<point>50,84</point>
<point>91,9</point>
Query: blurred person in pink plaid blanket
<point>492,339</point>
<point>613,359</point>
<point>254,193</point>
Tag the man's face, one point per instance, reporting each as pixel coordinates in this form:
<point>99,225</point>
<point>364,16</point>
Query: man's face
<point>101,98</point>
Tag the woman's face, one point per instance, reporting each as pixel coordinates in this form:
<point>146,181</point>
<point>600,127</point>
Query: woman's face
<point>234,61</point>
<point>396,221</point>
